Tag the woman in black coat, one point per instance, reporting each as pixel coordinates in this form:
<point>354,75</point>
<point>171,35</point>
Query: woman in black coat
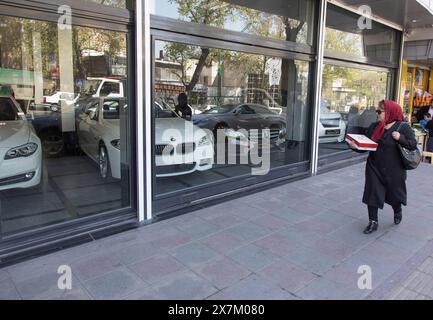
<point>385,175</point>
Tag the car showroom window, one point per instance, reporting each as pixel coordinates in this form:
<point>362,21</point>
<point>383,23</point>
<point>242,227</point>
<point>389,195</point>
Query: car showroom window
<point>60,161</point>
<point>223,94</point>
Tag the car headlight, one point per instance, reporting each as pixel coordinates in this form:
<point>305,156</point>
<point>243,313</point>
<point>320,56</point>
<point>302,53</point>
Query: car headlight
<point>204,141</point>
<point>21,151</point>
<point>116,143</point>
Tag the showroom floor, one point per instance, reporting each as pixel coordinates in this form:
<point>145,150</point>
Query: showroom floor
<point>301,240</point>
<point>71,188</point>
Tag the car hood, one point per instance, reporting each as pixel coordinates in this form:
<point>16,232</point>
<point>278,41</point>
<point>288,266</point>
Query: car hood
<point>330,115</point>
<point>167,129</point>
<point>14,133</point>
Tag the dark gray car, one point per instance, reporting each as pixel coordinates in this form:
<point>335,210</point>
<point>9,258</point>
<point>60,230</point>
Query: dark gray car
<point>242,116</point>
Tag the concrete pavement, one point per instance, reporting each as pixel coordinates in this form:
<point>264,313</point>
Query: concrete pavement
<point>302,240</point>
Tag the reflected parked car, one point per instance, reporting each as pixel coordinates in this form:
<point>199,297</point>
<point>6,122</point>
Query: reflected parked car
<point>20,148</point>
<point>98,131</point>
<point>332,128</point>
<point>55,100</point>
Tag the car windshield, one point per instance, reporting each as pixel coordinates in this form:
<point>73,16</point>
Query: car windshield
<point>111,110</point>
<point>163,110</point>
<point>222,109</point>
<point>8,111</point>
<point>90,86</point>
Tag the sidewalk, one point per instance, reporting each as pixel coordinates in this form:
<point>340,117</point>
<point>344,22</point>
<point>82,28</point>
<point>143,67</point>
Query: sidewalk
<point>298,241</point>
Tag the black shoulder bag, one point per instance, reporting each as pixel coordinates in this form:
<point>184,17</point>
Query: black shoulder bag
<point>411,158</point>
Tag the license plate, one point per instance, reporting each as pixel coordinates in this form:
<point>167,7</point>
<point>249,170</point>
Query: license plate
<point>331,132</point>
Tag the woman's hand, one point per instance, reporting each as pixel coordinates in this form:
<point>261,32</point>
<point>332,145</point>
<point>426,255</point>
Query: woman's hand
<point>396,135</point>
<point>352,145</point>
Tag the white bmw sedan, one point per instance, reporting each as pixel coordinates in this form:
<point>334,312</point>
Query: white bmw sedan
<point>20,148</point>
<point>181,147</point>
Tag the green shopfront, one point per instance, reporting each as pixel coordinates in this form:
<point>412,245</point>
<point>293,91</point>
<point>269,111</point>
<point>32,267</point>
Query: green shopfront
<point>116,114</point>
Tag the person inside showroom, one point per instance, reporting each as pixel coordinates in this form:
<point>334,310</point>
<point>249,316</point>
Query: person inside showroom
<point>385,175</point>
<point>182,108</point>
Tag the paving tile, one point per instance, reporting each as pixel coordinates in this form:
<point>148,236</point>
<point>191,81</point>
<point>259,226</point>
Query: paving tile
<point>45,287</point>
<point>8,291</point>
<point>156,268</point>
<point>199,229</point>
<point>253,287</point>
<point>248,231</point>
<point>287,276</point>
<point>253,257</point>
<point>427,266</point>
<point>312,260</point>
<point>324,289</point>
<point>223,242</point>
<point>223,220</point>
<point>271,222</point>
<point>184,286</point>
<point>144,294</point>
<point>222,272</point>
<point>194,254</point>
<point>277,244</point>
<point>134,253</point>
<point>114,285</point>
<point>4,275</point>
<point>94,266</point>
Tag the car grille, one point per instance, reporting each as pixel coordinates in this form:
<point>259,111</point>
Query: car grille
<point>176,168</point>
<point>257,135</point>
<point>182,148</point>
<point>185,148</point>
<point>330,123</point>
<point>160,148</point>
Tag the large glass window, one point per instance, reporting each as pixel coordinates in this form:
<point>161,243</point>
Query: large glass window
<point>221,114</point>
<point>350,35</point>
<point>290,20</point>
<point>350,97</point>
<point>63,123</point>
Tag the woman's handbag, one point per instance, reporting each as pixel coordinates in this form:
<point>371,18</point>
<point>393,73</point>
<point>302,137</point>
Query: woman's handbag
<point>411,158</point>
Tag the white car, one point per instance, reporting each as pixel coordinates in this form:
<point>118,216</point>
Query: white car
<point>104,87</point>
<point>20,148</point>
<point>98,130</point>
<point>332,127</point>
<point>181,147</point>
<point>55,100</point>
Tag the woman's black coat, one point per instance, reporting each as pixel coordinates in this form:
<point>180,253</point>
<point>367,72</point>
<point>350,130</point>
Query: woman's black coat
<point>385,176</point>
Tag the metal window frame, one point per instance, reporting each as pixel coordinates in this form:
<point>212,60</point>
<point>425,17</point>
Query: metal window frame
<point>321,23</point>
<point>373,17</point>
<point>195,29</point>
<point>84,14</point>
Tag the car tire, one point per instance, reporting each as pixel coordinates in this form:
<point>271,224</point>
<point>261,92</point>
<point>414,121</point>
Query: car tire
<point>53,144</point>
<point>220,125</point>
<point>104,163</point>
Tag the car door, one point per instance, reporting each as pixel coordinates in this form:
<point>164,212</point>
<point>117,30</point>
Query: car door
<point>246,118</point>
<point>86,119</point>
<point>94,135</point>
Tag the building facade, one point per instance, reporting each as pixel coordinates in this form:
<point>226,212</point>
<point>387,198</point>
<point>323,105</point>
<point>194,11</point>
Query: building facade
<point>91,142</point>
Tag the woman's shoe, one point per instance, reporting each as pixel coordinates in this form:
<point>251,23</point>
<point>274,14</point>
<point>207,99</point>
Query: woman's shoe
<point>398,216</point>
<point>372,226</point>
